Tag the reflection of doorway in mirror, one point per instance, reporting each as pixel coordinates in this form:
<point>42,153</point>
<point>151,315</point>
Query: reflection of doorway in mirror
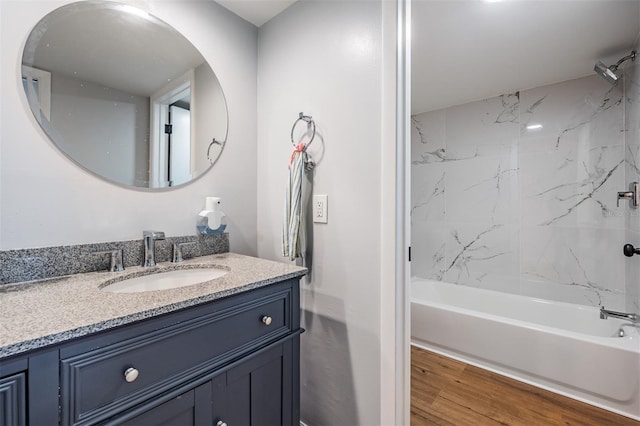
<point>179,145</point>
<point>177,92</point>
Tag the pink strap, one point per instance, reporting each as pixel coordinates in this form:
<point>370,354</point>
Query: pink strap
<point>299,148</point>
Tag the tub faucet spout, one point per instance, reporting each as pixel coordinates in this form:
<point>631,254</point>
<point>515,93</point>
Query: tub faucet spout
<point>604,314</point>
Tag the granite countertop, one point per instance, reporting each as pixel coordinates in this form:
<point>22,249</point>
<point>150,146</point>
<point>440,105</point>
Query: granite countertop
<point>35,314</point>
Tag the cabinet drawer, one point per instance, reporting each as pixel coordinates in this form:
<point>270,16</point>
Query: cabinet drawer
<point>94,386</point>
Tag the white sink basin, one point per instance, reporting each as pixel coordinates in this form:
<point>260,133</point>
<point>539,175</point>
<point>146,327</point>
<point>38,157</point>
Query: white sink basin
<point>165,280</point>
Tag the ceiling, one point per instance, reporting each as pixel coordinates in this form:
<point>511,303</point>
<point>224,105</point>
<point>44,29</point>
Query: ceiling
<point>462,50</point>
<point>256,11</point>
<point>467,50</point>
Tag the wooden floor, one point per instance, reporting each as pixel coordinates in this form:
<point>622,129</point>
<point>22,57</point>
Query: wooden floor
<point>448,392</point>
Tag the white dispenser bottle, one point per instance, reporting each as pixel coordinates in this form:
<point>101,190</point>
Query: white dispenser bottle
<point>212,219</point>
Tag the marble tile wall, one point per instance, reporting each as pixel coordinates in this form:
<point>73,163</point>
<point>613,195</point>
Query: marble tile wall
<point>517,193</point>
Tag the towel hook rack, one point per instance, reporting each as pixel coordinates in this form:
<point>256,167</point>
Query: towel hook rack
<point>213,142</point>
<point>307,119</point>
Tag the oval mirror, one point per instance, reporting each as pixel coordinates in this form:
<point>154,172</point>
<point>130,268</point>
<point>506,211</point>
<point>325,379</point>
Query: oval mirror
<point>124,95</point>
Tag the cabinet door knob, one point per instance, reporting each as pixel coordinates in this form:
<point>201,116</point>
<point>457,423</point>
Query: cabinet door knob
<point>266,320</point>
<point>221,423</point>
<point>131,374</point>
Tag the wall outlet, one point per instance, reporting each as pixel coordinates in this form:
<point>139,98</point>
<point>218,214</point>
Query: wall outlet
<point>320,208</point>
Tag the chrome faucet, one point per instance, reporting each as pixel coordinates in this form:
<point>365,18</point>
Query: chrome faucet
<point>150,238</point>
<point>604,314</point>
<point>116,264</point>
<point>177,251</point>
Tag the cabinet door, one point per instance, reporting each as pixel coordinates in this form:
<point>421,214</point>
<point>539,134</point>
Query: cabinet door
<point>256,392</point>
<point>12,400</point>
<point>188,409</point>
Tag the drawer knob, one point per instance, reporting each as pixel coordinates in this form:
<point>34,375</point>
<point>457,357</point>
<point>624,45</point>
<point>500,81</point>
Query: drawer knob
<point>221,423</point>
<point>131,374</point>
<point>266,320</point>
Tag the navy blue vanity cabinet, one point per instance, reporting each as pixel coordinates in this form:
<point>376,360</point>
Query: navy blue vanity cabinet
<point>189,408</point>
<point>13,400</point>
<point>262,390</point>
<point>234,361</point>
<point>29,389</point>
<point>257,390</point>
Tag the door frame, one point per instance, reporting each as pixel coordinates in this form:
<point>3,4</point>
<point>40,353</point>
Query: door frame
<point>172,143</point>
<point>159,109</point>
<point>395,271</point>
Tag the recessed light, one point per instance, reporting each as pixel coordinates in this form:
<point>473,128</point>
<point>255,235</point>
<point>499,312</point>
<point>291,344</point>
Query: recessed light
<point>534,126</point>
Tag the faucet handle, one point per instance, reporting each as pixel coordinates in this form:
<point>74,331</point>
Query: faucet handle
<point>177,250</point>
<point>633,195</point>
<point>116,264</point>
<point>156,235</point>
<point>624,195</point>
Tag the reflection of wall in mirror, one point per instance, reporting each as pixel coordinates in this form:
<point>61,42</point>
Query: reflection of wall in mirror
<point>101,126</point>
<point>210,111</point>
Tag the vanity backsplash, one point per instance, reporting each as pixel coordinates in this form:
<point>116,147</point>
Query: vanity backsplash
<point>48,262</point>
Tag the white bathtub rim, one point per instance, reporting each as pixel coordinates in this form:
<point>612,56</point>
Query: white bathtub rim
<point>506,294</point>
<point>515,296</point>
<point>516,375</point>
<point>629,343</point>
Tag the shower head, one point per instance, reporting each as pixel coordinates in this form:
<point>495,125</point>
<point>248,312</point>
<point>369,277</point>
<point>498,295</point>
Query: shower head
<point>606,72</point>
<point>610,73</point>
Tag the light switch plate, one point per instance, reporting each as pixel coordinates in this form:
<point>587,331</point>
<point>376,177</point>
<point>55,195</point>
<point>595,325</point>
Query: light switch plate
<point>320,208</point>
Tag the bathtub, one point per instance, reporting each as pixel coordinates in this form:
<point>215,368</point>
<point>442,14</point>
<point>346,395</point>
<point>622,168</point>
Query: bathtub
<point>561,347</point>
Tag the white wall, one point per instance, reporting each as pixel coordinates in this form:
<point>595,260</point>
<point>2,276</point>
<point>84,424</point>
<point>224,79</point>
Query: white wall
<point>326,59</point>
<point>46,200</point>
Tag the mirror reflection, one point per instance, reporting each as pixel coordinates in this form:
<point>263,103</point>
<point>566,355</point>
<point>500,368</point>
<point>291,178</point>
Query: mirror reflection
<point>124,95</point>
